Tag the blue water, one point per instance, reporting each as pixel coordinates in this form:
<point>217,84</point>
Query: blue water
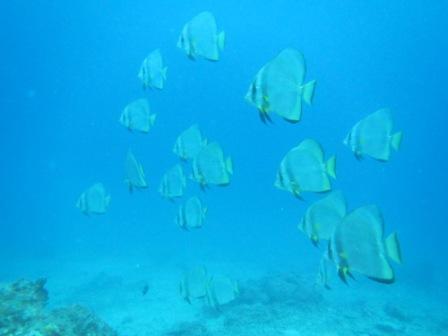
<point>68,68</point>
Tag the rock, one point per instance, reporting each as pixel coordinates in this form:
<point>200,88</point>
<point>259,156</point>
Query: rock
<point>23,313</point>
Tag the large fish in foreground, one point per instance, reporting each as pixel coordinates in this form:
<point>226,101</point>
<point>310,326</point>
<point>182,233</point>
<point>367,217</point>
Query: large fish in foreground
<point>191,215</point>
<point>94,200</point>
<point>135,176</point>
<point>137,116</point>
<point>152,73</point>
<point>358,246</point>
<point>173,183</point>
<point>303,169</point>
<point>200,38</point>
<point>373,136</point>
<point>189,143</point>
<point>322,217</point>
<point>211,167</point>
<point>279,87</point>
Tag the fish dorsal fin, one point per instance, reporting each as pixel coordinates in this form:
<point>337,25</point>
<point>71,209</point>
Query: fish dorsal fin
<point>312,146</point>
<point>393,248</point>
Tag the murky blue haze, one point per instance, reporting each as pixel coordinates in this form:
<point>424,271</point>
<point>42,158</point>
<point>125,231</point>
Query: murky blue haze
<point>69,67</point>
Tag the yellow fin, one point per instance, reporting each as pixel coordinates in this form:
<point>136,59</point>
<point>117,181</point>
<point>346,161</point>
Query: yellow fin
<point>221,40</point>
<point>393,248</point>
<point>331,167</point>
<point>229,165</point>
<point>395,141</point>
<point>308,92</point>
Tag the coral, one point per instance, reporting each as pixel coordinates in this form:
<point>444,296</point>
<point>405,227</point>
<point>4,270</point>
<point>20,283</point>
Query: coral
<point>23,313</point>
<point>21,303</point>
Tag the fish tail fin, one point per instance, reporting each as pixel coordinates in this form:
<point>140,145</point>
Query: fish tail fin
<point>393,248</point>
<point>152,118</point>
<point>221,40</point>
<point>330,167</point>
<point>396,140</point>
<point>229,165</point>
<point>308,92</point>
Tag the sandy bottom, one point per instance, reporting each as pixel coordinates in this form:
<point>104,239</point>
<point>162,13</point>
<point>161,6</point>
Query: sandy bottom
<point>272,302</point>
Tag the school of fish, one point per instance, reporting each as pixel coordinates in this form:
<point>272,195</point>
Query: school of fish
<point>353,242</point>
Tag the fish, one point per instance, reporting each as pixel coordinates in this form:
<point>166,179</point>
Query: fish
<point>373,136</point>
<point>323,277</point>
<point>210,167</point>
<point>173,183</point>
<point>135,176</point>
<point>189,143</point>
<point>279,87</point>
<point>137,116</point>
<point>303,169</point>
<point>221,290</point>
<point>358,246</point>
<point>152,73</point>
<point>200,38</point>
<point>145,289</point>
<point>193,284</point>
<point>192,214</point>
<point>322,217</point>
<point>257,95</point>
<point>94,201</point>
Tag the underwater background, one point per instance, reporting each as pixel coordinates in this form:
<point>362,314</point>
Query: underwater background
<point>69,68</point>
